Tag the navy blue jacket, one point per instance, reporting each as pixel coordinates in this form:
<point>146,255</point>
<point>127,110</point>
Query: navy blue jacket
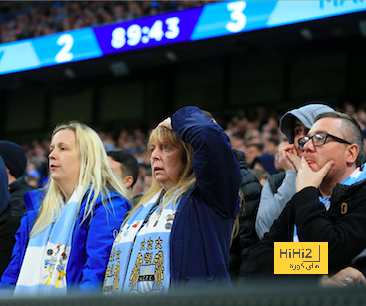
<point>201,232</point>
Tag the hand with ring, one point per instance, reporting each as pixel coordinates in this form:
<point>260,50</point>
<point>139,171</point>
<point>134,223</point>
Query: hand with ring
<point>344,278</point>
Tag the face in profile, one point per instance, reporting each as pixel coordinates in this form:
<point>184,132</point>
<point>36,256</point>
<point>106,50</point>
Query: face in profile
<point>64,161</point>
<point>166,164</point>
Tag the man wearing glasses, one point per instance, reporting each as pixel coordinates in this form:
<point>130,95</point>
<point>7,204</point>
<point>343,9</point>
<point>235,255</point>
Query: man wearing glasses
<point>330,203</point>
<point>280,188</point>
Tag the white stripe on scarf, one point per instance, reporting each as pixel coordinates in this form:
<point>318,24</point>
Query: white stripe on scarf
<point>140,257</point>
<point>44,266</point>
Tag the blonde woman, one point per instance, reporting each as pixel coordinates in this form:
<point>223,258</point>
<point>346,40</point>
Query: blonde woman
<point>65,238</point>
<point>178,236</point>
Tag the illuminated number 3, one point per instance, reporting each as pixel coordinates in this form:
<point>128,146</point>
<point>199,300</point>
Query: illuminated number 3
<point>64,55</point>
<point>239,20</point>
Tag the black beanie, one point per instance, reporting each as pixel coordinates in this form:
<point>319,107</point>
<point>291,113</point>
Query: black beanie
<point>14,157</point>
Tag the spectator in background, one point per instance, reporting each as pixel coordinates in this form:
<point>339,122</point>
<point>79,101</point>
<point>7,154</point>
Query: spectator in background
<point>261,175</point>
<point>265,162</point>
<point>280,188</point>
<point>9,224</point>
<point>69,227</point>
<point>126,167</point>
<point>33,177</point>
<point>37,166</point>
<point>252,151</point>
<point>48,17</point>
<point>147,179</point>
<point>15,161</point>
<point>272,146</point>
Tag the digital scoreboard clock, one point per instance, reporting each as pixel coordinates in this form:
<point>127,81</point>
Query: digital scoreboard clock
<point>212,20</point>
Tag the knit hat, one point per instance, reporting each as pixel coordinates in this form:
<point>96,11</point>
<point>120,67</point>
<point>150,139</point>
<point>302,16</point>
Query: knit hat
<point>305,114</point>
<point>14,157</point>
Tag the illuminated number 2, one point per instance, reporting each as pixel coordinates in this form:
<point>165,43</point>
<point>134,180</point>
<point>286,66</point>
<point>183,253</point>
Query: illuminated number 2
<point>239,20</point>
<point>64,55</point>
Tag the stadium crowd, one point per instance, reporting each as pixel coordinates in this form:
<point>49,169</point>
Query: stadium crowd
<point>268,148</point>
<point>195,202</point>
<point>48,17</point>
<point>257,134</point>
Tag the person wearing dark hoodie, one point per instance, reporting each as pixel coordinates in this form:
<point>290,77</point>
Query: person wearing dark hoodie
<point>280,188</point>
<point>15,160</point>
<point>247,236</point>
<point>8,223</point>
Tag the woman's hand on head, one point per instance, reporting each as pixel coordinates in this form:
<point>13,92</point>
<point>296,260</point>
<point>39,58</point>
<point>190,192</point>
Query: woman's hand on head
<point>167,123</point>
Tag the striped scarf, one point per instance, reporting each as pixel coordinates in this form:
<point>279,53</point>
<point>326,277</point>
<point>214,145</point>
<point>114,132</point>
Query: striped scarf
<point>140,256</point>
<point>44,266</point>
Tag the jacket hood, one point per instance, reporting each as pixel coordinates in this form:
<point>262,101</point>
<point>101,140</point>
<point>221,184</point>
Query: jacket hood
<point>240,158</point>
<point>305,114</point>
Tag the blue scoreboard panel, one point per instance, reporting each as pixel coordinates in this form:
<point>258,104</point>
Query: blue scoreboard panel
<point>212,20</point>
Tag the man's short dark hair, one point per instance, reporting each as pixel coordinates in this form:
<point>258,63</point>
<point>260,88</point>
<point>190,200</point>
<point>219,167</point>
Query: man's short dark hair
<point>275,141</point>
<point>259,146</point>
<point>350,130</point>
<point>129,164</point>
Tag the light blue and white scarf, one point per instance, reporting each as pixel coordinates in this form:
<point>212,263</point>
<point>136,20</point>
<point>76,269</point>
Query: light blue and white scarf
<point>140,258</point>
<point>357,176</point>
<point>44,266</point>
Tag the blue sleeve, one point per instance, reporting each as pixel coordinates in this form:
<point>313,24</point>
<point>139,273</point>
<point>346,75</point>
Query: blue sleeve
<point>4,187</point>
<point>103,228</point>
<point>214,163</point>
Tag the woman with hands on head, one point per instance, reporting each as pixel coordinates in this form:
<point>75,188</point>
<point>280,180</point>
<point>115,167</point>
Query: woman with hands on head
<point>178,236</point>
<point>65,238</point>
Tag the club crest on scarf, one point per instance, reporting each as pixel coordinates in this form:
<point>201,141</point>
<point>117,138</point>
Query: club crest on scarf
<point>146,272</point>
<point>140,257</point>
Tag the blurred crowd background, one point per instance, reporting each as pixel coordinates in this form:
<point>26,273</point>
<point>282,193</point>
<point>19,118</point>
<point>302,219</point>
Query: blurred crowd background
<point>253,130</point>
<point>258,136</point>
<point>21,20</point>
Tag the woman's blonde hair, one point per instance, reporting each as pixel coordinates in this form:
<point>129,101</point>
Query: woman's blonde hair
<point>95,174</point>
<point>187,179</point>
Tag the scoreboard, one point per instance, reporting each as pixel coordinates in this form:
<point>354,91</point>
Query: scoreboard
<point>209,21</point>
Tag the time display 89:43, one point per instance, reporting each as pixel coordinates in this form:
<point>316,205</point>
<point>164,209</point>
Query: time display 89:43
<point>136,34</point>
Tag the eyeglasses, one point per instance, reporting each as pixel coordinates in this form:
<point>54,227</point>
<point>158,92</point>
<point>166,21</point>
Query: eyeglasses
<point>319,139</point>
